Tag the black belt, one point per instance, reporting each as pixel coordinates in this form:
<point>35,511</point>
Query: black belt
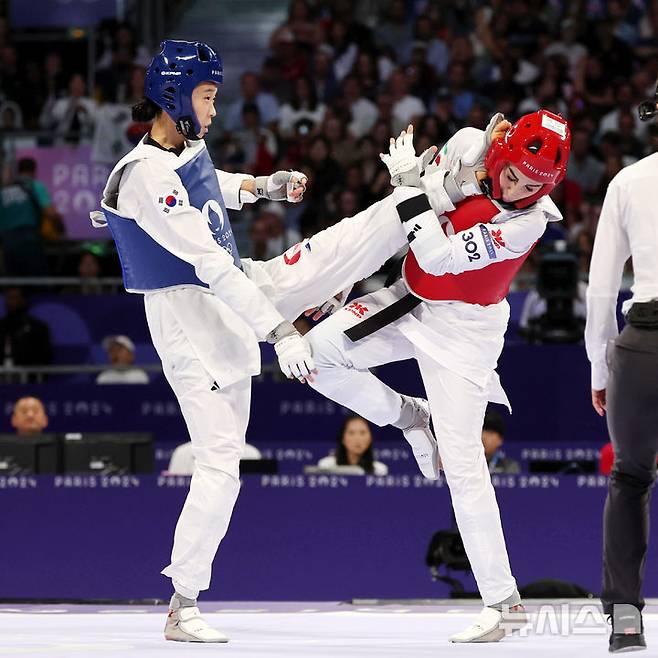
<point>643,315</point>
<point>383,318</point>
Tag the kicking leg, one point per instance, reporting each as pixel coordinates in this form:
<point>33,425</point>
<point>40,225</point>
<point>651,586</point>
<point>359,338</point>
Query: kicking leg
<point>343,374</point>
<point>334,259</point>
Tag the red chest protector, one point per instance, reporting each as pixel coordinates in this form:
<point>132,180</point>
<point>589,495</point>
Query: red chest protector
<point>486,286</point>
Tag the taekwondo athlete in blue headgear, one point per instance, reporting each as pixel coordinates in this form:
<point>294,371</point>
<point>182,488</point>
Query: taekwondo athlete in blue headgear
<point>166,206</point>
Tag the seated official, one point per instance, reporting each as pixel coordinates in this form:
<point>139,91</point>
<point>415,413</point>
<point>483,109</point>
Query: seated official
<point>121,354</point>
<point>354,448</point>
<point>493,437</point>
<point>29,417</point>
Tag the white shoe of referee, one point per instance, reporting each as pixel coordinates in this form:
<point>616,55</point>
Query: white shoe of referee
<point>419,436</point>
<point>493,625</point>
<point>185,623</point>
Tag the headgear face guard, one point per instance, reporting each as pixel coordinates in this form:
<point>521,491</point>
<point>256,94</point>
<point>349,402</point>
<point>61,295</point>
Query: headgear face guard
<point>538,145</point>
<point>173,75</point>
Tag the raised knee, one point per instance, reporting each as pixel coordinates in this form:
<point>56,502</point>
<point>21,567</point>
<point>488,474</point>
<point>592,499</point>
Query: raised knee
<point>327,347</point>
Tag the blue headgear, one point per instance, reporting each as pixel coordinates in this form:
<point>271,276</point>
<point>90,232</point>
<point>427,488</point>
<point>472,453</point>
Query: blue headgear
<point>173,74</point>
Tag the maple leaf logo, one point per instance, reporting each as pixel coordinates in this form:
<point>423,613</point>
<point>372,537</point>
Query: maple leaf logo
<point>498,238</point>
<point>357,309</point>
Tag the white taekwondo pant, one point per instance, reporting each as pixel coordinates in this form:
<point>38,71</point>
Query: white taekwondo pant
<point>334,259</point>
<point>457,405</point>
<point>217,422</point>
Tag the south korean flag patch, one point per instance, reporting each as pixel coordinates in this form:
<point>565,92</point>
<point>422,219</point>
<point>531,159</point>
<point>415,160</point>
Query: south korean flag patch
<point>170,201</point>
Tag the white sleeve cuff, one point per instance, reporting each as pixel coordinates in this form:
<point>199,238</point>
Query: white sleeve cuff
<point>599,376</point>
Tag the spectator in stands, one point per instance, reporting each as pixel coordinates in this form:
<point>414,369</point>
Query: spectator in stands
<point>437,54</point>
<point>334,129</point>
<point>89,270</point>
<point>459,85</point>
<point>258,236</point>
<point>592,84</point>
<point>344,47</point>
<point>568,47</point>
<point>324,176</point>
<point>354,448</point>
<point>367,70</point>
<point>422,77</point>
<point>10,77</point>
<point>448,124</point>
<point>395,30</point>
<point>374,175</point>
<point>24,340</point>
<point>493,437</point>
<point>625,103</point>
<point>23,201</point>
<point>267,104</point>
<point>406,108</point>
<point>632,149</point>
<point>29,417</point>
<point>303,105</point>
<point>115,66</point>
<point>71,117</point>
<point>301,23</point>
<point>52,225</point>
<point>584,168</point>
<point>257,144</point>
<point>287,63</point>
<point>363,112</point>
<point>323,76</point>
<point>279,238</point>
<point>121,354</point>
<point>11,116</point>
<point>54,80</point>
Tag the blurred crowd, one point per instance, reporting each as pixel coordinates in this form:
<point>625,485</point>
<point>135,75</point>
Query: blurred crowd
<point>341,77</point>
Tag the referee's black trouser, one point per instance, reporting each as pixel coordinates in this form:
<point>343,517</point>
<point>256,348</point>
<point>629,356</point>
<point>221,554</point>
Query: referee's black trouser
<point>632,414</point>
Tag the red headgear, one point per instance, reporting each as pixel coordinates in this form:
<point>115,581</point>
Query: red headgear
<point>538,146</point>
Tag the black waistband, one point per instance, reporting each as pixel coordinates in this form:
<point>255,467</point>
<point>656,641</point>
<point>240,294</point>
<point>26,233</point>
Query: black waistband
<point>383,318</point>
<point>643,315</point>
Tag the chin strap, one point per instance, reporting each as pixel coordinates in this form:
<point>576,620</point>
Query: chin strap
<point>185,126</point>
<point>487,188</point>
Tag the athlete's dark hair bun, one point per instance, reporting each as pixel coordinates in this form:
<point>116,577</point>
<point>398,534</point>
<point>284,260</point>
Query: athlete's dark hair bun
<point>145,110</point>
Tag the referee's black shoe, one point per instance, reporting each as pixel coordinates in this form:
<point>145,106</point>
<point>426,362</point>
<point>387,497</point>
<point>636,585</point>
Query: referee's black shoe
<point>627,631</point>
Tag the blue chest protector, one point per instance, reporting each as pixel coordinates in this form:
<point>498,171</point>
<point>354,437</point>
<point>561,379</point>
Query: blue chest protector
<point>148,266</point>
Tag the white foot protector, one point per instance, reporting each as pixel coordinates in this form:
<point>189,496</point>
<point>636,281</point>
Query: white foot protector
<point>422,442</point>
<point>187,625</point>
<point>492,625</point>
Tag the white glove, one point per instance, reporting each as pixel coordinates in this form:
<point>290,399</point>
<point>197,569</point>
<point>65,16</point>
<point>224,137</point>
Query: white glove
<point>281,186</point>
<point>464,170</point>
<point>403,165</point>
<point>293,351</point>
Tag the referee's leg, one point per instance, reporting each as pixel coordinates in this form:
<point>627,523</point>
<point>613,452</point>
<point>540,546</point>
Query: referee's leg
<point>632,414</point>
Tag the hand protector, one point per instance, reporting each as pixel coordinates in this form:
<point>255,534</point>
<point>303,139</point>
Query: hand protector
<point>401,161</point>
<point>281,186</point>
<point>464,170</point>
<point>293,352</point>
